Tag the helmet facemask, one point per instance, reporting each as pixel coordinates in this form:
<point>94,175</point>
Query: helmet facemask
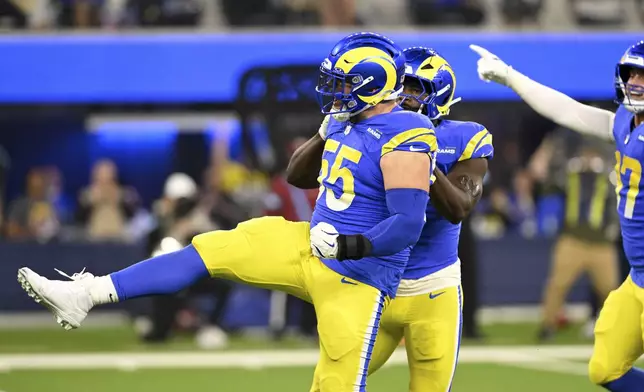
<point>630,95</point>
<point>418,94</point>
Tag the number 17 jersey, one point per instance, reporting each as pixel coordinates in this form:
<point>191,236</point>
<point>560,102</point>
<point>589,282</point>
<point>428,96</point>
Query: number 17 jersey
<point>630,196</point>
<point>352,192</point>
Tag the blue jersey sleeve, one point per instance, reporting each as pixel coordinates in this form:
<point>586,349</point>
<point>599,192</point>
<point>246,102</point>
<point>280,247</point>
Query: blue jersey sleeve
<point>477,143</point>
<point>418,137</point>
<point>622,116</point>
<point>414,140</point>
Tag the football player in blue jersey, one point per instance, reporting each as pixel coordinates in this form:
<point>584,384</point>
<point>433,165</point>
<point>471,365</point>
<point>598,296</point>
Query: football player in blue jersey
<point>349,260</point>
<point>619,340</point>
<point>428,304</point>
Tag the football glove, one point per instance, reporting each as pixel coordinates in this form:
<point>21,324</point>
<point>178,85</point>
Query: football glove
<point>324,241</point>
<point>323,127</point>
<point>491,68</point>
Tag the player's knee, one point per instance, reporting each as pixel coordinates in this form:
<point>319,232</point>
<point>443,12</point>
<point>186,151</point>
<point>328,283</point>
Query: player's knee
<point>213,240</point>
<point>336,336</point>
<point>597,372</point>
<point>221,249</point>
<point>333,383</point>
<point>428,341</point>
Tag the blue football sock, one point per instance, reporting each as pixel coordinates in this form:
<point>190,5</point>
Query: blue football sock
<point>631,381</point>
<point>163,274</point>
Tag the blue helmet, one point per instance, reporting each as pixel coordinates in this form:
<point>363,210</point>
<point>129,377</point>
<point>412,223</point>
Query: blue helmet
<point>362,70</point>
<point>436,78</point>
<point>633,58</point>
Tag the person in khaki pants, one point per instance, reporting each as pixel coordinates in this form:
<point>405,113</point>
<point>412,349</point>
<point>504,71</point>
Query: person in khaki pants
<point>571,257</point>
<point>586,243</point>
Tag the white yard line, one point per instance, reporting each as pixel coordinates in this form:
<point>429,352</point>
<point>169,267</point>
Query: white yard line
<point>554,365</point>
<point>543,358</point>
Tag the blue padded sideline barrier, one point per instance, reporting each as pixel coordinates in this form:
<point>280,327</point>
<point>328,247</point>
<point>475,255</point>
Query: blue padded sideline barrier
<point>512,270</point>
<point>195,67</point>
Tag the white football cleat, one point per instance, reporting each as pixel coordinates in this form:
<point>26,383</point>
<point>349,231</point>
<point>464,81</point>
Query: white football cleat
<point>69,302</point>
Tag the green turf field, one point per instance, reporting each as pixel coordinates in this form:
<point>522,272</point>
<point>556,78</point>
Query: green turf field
<point>470,378</point>
<point>124,339</point>
<point>102,360</point>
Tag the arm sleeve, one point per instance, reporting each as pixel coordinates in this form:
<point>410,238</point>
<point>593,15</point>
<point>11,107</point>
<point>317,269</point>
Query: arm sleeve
<point>404,225</point>
<point>562,109</point>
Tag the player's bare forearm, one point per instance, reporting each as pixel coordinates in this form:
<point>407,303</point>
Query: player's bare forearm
<point>304,167</point>
<point>455,195</point>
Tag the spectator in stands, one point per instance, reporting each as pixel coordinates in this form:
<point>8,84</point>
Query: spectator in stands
<point>522,204</point>
<point>164,13</point>
<point>285,200</point>
<point>57,197</point>
<point>12,15</point>
<point>105,206</point>
<point>4,165</point>
<point>179,213</point>
<point>180,217</point>
<point>586,243</point>
<point>32,216</point>
<point>599,12</point>
<point>251,12</point>
<point>519,12</point>
<point>67,13</point>
<point>446,12</point>
<point>290,12</point>
<point>219,187</point>
<point>338,12</point>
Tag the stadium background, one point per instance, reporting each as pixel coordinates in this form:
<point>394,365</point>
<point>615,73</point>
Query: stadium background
<point>221,91</point>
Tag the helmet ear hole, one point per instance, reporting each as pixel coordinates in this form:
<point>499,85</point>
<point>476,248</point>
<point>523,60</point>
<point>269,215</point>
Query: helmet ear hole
<point>624,72</point>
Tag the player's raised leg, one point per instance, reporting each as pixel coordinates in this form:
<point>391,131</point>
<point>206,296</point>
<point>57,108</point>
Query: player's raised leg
<point>265,252</point>
<point>255,253</point>
<point>618,341</point>
<point>70,301</point>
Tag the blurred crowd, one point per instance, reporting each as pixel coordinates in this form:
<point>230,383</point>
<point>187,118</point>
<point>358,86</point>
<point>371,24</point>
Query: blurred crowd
<point>106,209</point>
<point>526,198</point>
<point>60,14</point>
<point>530,197</point>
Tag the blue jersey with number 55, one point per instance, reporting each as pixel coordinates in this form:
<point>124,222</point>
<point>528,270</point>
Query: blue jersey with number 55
<point>630,198</point>
<point>352,192</point>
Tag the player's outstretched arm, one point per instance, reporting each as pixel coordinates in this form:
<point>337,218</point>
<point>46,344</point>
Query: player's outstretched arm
<point>546,101</point>
<point>304,167</point>
<point>455,195</point>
